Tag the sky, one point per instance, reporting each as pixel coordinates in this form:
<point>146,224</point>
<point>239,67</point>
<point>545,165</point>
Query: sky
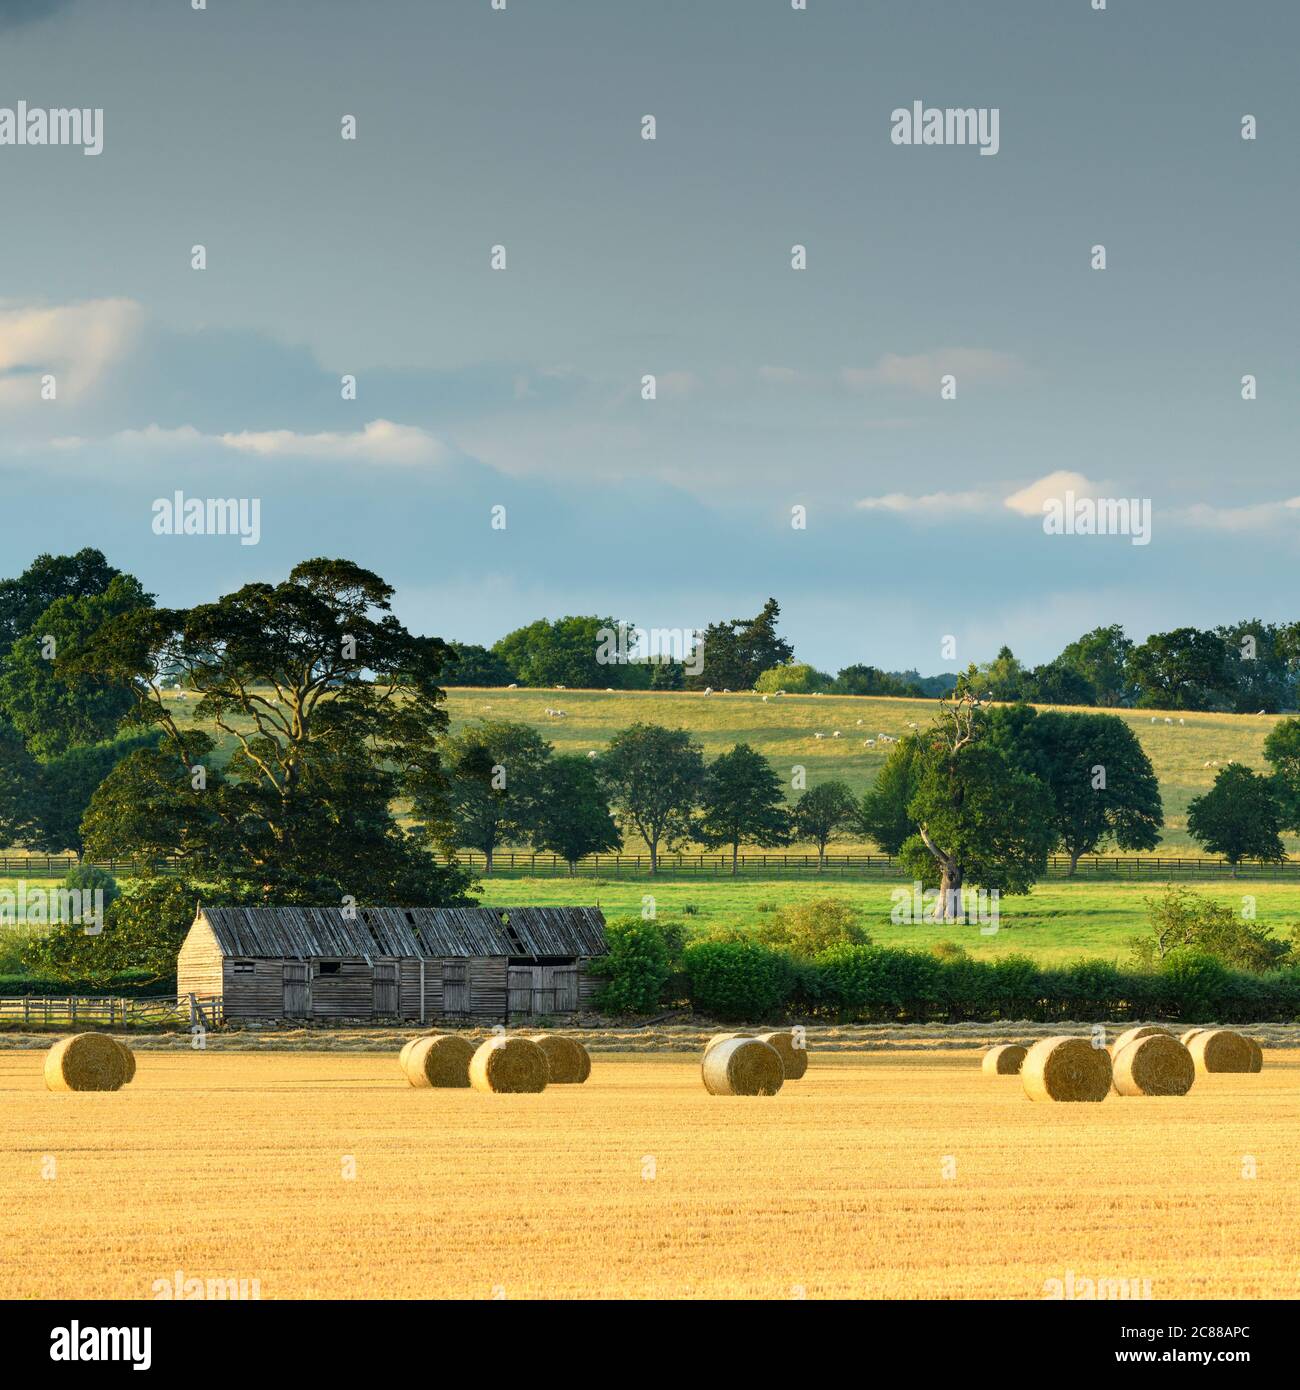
<point>799,443</point>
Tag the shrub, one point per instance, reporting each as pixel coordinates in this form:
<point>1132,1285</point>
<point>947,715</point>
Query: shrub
<point>742,980</point>
<point>1180,918</point>
<point>949,951</point>
<point>798,678</point>
<point>87,878</point>
<point>637,967</point>
<point>1195,984</point>
<point>807,929</point>
<point>878,982</point>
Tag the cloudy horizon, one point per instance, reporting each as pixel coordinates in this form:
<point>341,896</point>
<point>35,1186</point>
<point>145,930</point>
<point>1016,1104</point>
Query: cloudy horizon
<point>782,396</point>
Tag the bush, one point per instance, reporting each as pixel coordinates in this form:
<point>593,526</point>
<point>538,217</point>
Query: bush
<point>809,928</point>
<point>131,984</point>
<point>742,980</point>
<point>1180,918</point>
<point>877,982</point>
<point>1194,984</point>
<point>86,878</point>
<point>798,678</point>
<point>637,968</point>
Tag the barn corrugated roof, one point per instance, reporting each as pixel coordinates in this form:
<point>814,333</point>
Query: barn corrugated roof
<point>301,933</point>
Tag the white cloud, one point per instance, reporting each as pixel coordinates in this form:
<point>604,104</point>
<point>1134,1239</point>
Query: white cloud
<point>1253,517</point>
<point>381,441</point>
<point>1028,501</point>
<point>930,504</point>
<point>74,342</point>
<point>921,371</point>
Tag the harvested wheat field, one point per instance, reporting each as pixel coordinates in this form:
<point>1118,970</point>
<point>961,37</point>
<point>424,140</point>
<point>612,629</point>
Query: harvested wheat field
<point>639,1183</point>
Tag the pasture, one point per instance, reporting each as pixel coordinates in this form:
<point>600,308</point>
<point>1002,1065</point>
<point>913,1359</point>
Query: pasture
<point>1056,923</point>
<point>893,1175</point>
<point>784,729</point>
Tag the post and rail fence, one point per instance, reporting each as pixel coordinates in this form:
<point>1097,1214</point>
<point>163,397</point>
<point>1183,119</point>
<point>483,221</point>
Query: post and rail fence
<point>73,1010</point>
<point>529,863</point>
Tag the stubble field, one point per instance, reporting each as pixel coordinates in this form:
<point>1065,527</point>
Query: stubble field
<point>889,1175</point>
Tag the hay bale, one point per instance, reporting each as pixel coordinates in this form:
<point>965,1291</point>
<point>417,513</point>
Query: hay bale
<point>129,1058</point>
<point>406,1052</point>
<point>794,1060</point>
<point>1066,1069</point>
<point>567,1061</point>
<point>1187,1037</point>
<point>1218,1049</point>
<point>508,1065</point>
<point>1156,1065</point>
<point>86,1062</point>
<point>1005,1060</point>
<point>742,1067</point>
<point>1256,1055</point>
<point>442,1059</point>
<point>1132,1035</point>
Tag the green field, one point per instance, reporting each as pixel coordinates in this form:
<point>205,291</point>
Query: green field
<point>783,730</point>
<point>1057,922</point>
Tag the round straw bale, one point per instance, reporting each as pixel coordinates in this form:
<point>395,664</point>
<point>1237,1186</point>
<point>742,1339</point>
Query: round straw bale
<point>794,1060</point>
<point>567,1062</point>
<point>1066,1069</point>
<point>129,1058</point>
<point>1187,1037</point>
<point>742,1067</point>
<point>505,1064</point>
<point>406,1052</point>
<point>1218,1049</point>
<point>1131,1035</point>
<point>1005,1060</point>
<point>1156,1065</point>
<point>86,1062</point>
<point>441,1059</point>
<point>1256,1055</point>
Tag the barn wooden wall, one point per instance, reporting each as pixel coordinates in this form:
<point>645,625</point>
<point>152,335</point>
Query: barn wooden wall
<point>199,962</point>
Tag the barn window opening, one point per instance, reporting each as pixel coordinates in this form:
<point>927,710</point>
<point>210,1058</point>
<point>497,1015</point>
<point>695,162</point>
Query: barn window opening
<point>517,947</point>
<point>244,967</point>
<point>330,967</point>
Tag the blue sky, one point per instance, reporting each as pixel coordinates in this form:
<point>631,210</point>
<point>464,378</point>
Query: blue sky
<point>777,388</point>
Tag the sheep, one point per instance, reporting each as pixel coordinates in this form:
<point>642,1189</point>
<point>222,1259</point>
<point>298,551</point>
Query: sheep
<point>911,724</point>
<point>609,690</point>
<point>1182,721</point>
<point>512,686</point>
<point>708,690</point>
<point>836,734</point>
<point>868,742</point>
<point>1261,711</point>
<point>591,753</point>
<point>1168,720</point>
<point>561,687</point>
<point>859,721</point>
<point>765,699</point>
<point>1153,719</point>
<point>819,736</point>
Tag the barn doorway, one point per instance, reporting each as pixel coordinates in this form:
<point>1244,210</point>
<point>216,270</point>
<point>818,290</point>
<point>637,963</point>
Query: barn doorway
<point>386,994</point>
<point>455,987</point>
<point>542,989</point>
<point>297,991</point>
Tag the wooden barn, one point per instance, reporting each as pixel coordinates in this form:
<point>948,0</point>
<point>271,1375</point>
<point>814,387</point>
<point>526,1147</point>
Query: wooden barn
<point>413,963</point>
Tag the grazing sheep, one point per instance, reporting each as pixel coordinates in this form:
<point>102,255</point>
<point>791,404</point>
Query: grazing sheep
<point>1153,719</point>
<point>708,690</point>
<point>1168,720</point>
<point>819,736</point>
<point>512,686</point>
<point>1261,711</point>
<point>561,687</point>
<point>765,699</point>
<point>868,742</point>
<point>591,753</point>
<point>1182,721</point>
<point>836,734</point>
<point>911,725</point>
<point>859,721</point>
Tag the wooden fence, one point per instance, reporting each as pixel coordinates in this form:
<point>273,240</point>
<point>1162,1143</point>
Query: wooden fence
<point>1117,866</point>
<point>527,862</point>
<point>73,1010</point>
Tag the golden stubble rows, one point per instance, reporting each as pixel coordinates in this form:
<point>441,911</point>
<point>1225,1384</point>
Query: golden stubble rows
<point>882,1175</point>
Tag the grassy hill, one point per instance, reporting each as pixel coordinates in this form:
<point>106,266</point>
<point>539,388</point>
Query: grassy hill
<point>783,730</point>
